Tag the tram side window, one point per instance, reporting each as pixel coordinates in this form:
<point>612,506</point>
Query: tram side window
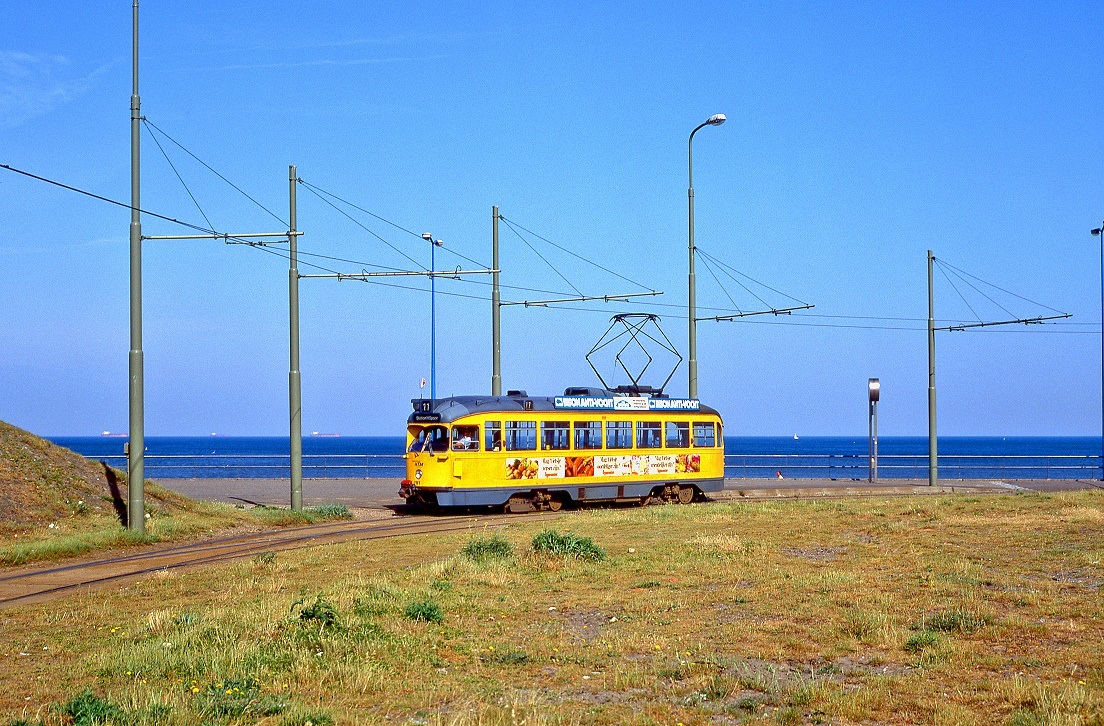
<point>465,438</point>
<point>678,434</point>
<point>588,434</point>
<point>649,435</point>
<point>555,435</point>
<point>521,435</point>
<point>492,435</point>
<point>432,439</point>
<point>619,435</point>
<point>704,434</point>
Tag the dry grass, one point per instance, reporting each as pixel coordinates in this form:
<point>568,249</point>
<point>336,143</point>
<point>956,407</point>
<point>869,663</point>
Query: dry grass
<point>54,504</point>
<point>948,611</point>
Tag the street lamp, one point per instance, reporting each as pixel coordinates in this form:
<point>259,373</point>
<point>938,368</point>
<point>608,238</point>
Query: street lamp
<point>1097,233</point>
<point>433,245</point>
<point>715,120</point>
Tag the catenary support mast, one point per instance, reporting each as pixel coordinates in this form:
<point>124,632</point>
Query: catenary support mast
<point>136,454</point>
<point>295,388</point>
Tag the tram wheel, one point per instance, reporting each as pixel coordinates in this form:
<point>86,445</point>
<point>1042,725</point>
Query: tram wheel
<point>518,504</point>
<point>685,494</point>
<point>554,503</point>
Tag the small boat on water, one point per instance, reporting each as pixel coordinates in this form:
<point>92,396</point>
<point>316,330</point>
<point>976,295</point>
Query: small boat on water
<point>322,435</point>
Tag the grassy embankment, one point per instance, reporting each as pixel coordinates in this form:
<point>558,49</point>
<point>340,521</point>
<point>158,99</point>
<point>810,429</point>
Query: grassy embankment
<point>913,610</point>
<point>55,503</point>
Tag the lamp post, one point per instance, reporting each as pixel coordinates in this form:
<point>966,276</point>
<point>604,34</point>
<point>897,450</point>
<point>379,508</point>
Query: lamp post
<point>433,245</point>
<point>715,120</point>
<point>1097,233</point>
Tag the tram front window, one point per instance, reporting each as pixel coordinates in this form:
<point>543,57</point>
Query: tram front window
<point>432,439</point>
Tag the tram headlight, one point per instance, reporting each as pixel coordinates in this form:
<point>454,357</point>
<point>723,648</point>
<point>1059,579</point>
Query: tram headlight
<point>418,474</point>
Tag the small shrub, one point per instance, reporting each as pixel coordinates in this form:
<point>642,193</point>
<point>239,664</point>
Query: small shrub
<point>88,709</point>
<point>1024,718</point>
<point>424,610</point>
<point>264,558</point>
<point>186,619</point>
<point>956,621</point>
<point>307,718</point>
<point>236,697</point>
<point>508,656</point>
<point>861,624</point>
<point>441,585</point>
<point>483,549</point>
<point>919,641</point>
<point>549,541</point>
<point>329,511</point>
<point>788,716</point>
<point>319,612</point>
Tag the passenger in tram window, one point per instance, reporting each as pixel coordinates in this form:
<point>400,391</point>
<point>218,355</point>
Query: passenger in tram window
<point>464,438</point>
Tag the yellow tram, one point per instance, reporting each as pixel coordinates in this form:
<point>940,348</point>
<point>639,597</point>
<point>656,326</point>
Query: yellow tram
<point>539,452</point>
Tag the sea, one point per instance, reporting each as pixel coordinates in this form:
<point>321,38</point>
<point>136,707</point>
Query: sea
<point>828,457</point>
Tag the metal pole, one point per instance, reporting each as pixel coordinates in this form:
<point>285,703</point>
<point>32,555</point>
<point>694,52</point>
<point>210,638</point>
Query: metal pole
<point>1101,235</point>
<point>873,442</point>
<point>496,311</point>
<point>715,120</point>
<point>136,462</point>
<point>692,388</point>
<point>432,324</point>
<point>933,454</point>
<point>295,389</point>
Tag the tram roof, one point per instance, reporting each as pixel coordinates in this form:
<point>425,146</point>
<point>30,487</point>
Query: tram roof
<point>446,410</point>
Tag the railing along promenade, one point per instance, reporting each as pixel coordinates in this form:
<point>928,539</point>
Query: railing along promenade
<point>737,466</point>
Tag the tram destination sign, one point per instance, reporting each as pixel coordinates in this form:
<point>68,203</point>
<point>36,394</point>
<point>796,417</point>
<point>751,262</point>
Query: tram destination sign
<point>427,417</point>
<point>626,403</point>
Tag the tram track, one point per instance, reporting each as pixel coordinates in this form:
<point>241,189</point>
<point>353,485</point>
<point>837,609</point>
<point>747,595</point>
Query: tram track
<point>36,585</point>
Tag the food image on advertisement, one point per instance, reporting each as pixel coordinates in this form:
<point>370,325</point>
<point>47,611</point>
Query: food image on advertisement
<point>688,463</point>
<point>521,469</point>
<point>579,466</point>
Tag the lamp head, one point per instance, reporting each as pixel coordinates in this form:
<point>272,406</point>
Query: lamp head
<point>716,119</point>
<point>427,236</point>
<point>1096,232</point>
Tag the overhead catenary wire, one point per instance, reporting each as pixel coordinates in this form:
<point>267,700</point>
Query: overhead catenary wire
<point>512,225</point>
<point>542,257</point>
<point>209,168</point>
<point>321,193</point>
<point>1038,329</point>
<point>178,176</point>
<point>732,271</point>
<point>364,227</point>
<point>117,203</point>
<point>960,295</point>
<point>606,311</point>
<point>942,262</point>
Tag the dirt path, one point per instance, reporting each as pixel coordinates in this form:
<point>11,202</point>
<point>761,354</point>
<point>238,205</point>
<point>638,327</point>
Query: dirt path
<point>41,583</point>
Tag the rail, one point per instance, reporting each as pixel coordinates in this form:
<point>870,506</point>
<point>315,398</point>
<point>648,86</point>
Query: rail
<point>737,466</point>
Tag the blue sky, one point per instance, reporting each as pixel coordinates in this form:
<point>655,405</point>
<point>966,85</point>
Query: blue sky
<point>859,136</point>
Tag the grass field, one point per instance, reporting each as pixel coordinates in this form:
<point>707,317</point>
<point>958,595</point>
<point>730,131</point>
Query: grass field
<point>947,610</point>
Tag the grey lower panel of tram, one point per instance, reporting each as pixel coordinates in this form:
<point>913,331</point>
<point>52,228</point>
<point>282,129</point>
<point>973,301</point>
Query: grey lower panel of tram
<point>496,496</point>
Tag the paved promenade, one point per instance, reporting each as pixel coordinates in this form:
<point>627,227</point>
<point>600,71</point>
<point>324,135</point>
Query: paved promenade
<point>384,492</point>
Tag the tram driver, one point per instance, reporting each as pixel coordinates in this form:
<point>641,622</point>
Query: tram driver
<point>465,438</point>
